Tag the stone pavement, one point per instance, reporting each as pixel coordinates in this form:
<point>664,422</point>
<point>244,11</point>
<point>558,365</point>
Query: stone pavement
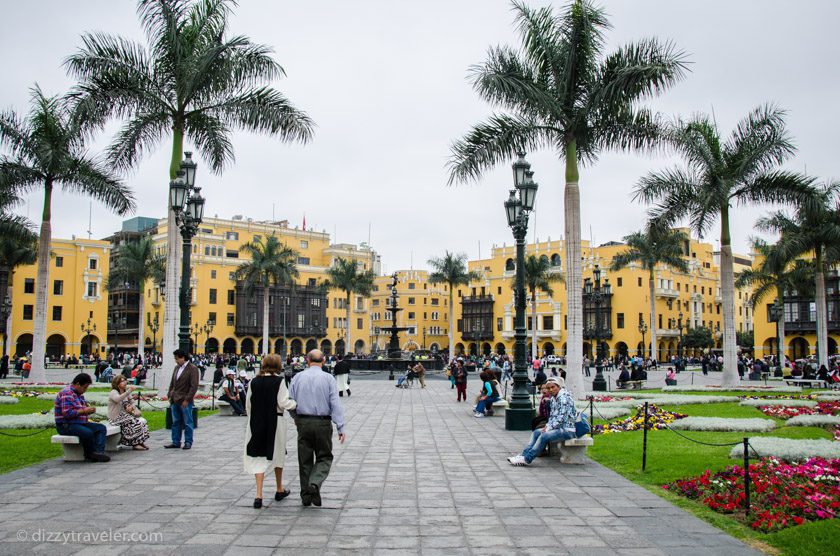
<point>417,475</point>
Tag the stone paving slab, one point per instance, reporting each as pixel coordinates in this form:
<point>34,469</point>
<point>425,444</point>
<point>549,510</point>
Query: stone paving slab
<point>417,475</point>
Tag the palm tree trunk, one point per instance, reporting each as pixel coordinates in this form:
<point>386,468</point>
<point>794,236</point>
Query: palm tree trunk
<point>534,324</point>
<point>727,288</point>
<point>39,336</point>
<point>347,344</point>
<point>653,320</point>
<point>141,323</point>
<point>171,310</point>
<point>451,325</point>
<point>265,347</point>
<point>574,301</point>
<point>9,319</point>
<point>822,319</point>
<point>781,339</point>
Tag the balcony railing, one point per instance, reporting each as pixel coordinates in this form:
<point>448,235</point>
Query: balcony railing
<point>667,293</point>
<point>477,335</point>
<point>667,332</point>
<point>590,333</point>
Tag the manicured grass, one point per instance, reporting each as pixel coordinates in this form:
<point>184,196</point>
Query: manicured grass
<point>22,447</point>
<point>671,457</point>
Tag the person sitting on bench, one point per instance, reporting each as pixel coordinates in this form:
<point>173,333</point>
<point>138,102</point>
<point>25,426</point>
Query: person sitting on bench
<point>623,377</point>
<point>71,418</point>
<point>560,426</point>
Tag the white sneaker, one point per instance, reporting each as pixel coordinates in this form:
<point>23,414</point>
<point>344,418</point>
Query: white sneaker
<point>478,415</point>
<point>517,460</point>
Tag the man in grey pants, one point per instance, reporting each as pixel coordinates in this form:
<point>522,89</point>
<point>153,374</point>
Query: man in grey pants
<point>318,408</point>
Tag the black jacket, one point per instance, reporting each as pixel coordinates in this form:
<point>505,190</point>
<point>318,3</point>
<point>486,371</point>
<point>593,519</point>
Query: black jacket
<point>342,368</point>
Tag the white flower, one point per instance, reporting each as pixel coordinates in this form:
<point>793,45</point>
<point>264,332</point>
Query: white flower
<point>786,402</point>
<point>744,388</point>
<point>788,449</point>
<point>8,400</point>
<point>813,421</point>
<point>723,424</point>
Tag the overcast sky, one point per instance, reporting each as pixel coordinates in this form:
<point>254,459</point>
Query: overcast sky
<point>385,81</point>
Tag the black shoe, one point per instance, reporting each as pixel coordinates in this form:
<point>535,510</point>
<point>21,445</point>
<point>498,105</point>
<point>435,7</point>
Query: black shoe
<point>341,394</point>
<point>257,503</point>
<point>187,446</point>
<point>280,495</point>
<point>348,392</point>
<point>306,497</point>
<point>172,445</point>
<point>315,493</point>
<point>97,457</point>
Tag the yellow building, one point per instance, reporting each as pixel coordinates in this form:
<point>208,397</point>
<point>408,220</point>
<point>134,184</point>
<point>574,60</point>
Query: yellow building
<point>306,316</point>
<point>76,300</point>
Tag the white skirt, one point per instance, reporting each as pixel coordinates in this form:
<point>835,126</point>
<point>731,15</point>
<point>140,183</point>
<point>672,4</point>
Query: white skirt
<point>342,381</point>
<point>254,465</point>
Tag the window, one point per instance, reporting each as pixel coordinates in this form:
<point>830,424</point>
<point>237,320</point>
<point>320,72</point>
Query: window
<point>435,315</point>
<point>375,303</point>
<point>206,250</point>
<point>618,282</point>
<point>230,319</point>
<point>436,301</point>
<point>718,309</point>
<point>92,289</point>
<point>232,254</point>
<point>58,287</point>
<point>304,244</point>
<point>213,296</point>
<point>27,312</point>
<point>411,285</point>
<point>660,321</point>
<point>212,274</point>
<point>703,290</point>
<point>311,282</point>
<point>619,320</point>
<point>639,281</point>
<point>211,317</point>
<point>56,312</point>
<point>59,262</point>
<point>565,322</point>
<point>410,316</point>
<point>548,322</point>
<point>301,320</point>
<point>232,236</point>
<point>29,285</point>
<point>411,301</point>
<point>92,263</point>
<point>359,323</point>
<point>316,302</point>
<point>232,276</point>
<point>530,323</point>
<point>499,324</point>
<point>231,297</point>
<point>303,260</point>
<point>460,325</point>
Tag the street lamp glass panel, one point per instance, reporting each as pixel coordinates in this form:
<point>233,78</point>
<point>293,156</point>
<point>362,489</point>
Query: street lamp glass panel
<point>177,193</point>
<point>528,191</point>
<point>597,274</point>
<point>195,206</point>
<point>512,208</point>
<point>188,166</point>
<point>519,168</point>
<point>587,286</point>
<point>607,287</point>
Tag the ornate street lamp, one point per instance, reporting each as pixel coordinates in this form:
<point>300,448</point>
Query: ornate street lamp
<point>517,208</point>
<point>643,328</point>
<point>597,296</point>
<point>777,311</point>
<point>5,311</point>
<point>208,329</point>
<point>87,328</point>
<point>186,201</point>
<point>680,361</point>
<point>154,327</point>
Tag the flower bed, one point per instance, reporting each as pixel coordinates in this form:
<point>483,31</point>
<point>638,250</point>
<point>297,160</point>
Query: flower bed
<point>21,393</point>
<point>788,449</point>
<point>787,402</point>
<point>723,424</point>
<point>821,408</point>
<point>782,495</point>
<point>605,412</point>
<point>814,420</point>
<point>8,400</point>
<point>712,388</point>
<point>657,419</point>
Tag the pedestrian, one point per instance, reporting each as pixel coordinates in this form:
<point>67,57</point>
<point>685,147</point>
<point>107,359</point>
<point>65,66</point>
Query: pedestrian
<point>266,402</point>
<point>342,375</point>
<point>420,373</point>
<point>182,389</point>
<point>4,366</point>
<point>461,381</point>
<point>318,407</point>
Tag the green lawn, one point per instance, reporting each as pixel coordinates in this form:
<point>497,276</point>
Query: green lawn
<point>19,448</point>
<point>670,457</point>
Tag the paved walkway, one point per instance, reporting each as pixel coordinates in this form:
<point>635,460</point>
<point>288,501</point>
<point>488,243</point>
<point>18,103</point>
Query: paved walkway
<point>418,475</point>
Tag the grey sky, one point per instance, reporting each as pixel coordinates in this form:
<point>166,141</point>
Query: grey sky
<point>385,82</point>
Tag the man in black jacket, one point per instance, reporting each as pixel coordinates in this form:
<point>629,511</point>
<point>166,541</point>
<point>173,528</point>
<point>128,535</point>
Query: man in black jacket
<point>342,375</point>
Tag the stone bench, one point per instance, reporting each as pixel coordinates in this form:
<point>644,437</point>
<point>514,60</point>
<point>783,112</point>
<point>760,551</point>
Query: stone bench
<point>72,447</point>
<point>224,408</point>
<point>634,384</point>
<point>806,383</point>
<point>572,451</point>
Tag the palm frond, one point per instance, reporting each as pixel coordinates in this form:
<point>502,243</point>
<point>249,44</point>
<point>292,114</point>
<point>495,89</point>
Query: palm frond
<point>91,178</point>
<point>265,110</point>
<point>212,138</point>
<point>760,142</point>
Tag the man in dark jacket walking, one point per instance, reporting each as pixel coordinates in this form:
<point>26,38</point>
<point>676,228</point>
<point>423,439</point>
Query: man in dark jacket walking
<point>342,375</point>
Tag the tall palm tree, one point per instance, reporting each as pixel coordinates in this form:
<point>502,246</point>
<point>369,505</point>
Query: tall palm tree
<point>743,170</point>
<point>272,263</point>
<point>451,269</point>
<point>538,276</point>
<point>777,274</point>
<point>653,246</point>
<point>193,80</point>
<point>813,229</point>
<point>347,276</point>
<point>137,263</point>
<point>564,93</point>
<point>48,149</point>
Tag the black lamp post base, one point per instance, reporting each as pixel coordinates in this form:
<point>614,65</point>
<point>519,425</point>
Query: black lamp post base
<point>599,384</point>
<point>518,419</point>
<point>778,373</point>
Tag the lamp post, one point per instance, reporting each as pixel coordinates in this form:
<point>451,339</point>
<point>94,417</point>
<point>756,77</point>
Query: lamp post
<point>643,328</point>
<point>680,362</point>
<point>596,296</point>
<point>188,205</point>
<point>207,329</point>
<point>87,328</point>
<point>154,327</point>
<point>115,324</point>
<point>517,208</point>
<point>195,330</point>
<point>424,338</point>
<point>776,314</point>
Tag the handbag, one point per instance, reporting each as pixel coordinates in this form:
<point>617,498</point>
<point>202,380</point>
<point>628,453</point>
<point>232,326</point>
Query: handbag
<point>582,427</point>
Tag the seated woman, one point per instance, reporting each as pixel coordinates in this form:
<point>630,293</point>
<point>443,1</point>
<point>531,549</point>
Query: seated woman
<point>489,394</point>
<point>229,393</point>
<point>543,411</point>
<point>121,412</point>
<point>671,377</point>
<point>623,377</point>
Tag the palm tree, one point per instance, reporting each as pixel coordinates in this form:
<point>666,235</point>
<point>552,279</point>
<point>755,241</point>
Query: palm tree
<point>538,276</point>
<point>48,150</point>
<point>193,80</point>
<point>564,93</point>
<point>345,275</point>
<point>653,246</point>
<point>272,263</point>
<point>744,170</point>
<point>137,263</point>
<point>813,229</point>
<point>776,274</point>
<point>451,269</point>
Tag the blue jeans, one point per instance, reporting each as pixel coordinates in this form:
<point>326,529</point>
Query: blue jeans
<point>234,404</point>
<point>182,420</point>
<point>91,435</point>
<point>485,403</point>
<point>540,439</point>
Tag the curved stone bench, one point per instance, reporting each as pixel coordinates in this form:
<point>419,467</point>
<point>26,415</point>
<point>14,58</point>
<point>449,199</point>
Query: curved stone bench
<point>72,447</point>
<point>572,451</point>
